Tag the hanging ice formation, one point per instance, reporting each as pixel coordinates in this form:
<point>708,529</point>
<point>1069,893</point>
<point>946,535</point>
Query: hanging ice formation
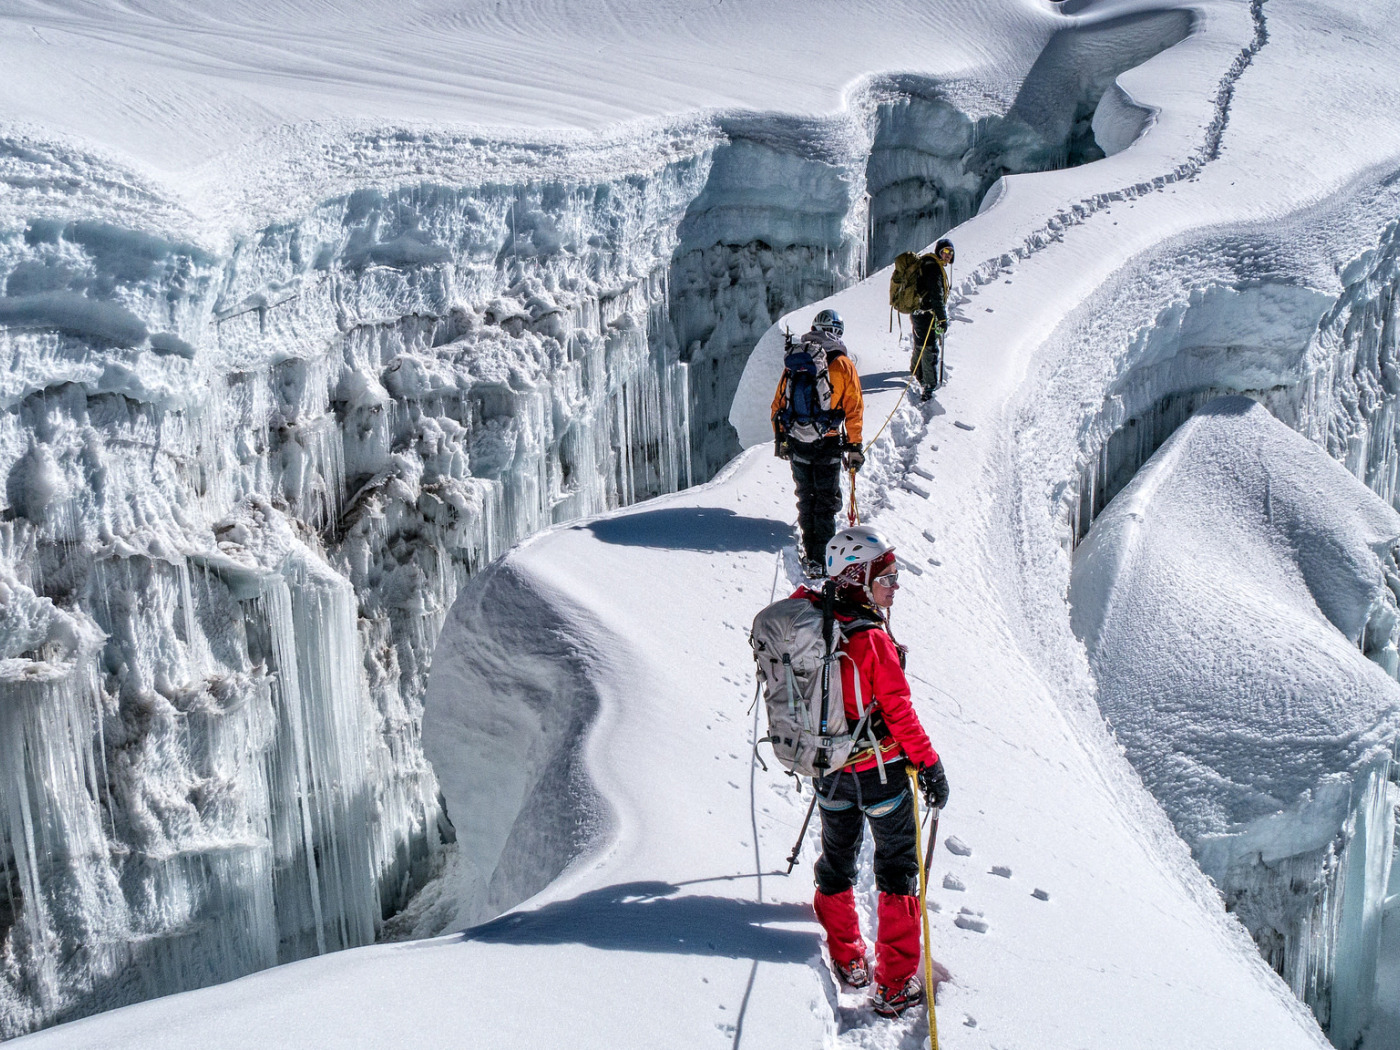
<point>244,483</point>
<point>242,495</point>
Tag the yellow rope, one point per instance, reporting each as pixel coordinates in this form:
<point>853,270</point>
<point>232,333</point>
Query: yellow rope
<point>923,909</point>
<point>912,373</point>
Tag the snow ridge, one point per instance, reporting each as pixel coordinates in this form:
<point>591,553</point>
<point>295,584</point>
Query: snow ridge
<point>1082,210</point>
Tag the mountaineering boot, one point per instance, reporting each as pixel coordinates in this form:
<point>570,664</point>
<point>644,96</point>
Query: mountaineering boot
<point>855,973</point>
<point>813,568</point>
<point>891,1002</point>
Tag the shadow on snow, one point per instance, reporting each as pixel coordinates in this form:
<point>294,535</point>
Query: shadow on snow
<point>645,917</point>
<point>877,381</point>
<point>693,528</point>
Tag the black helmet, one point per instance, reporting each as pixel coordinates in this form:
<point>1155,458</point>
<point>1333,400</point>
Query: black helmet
<point>829,321</point>
<point>943,242</point>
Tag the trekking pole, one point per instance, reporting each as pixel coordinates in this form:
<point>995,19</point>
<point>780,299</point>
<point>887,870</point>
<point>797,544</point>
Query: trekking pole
<point>801,835</point>
<point>923,901</point>
<point>853,512</point>
<point>942,356</point>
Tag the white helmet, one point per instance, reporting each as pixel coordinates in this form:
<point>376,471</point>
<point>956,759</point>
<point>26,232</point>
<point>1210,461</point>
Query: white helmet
<point>851,551</point>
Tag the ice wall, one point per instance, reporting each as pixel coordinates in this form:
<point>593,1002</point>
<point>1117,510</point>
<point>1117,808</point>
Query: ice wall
<point>257,483</point>
<point>1351,401</point>
<point>932,162</point>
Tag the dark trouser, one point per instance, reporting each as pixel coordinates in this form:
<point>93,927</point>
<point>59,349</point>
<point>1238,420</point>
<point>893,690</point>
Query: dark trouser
<point>889,807</point>
<point>860,797</point>
<point>927,368</point>
<point>816,473</point>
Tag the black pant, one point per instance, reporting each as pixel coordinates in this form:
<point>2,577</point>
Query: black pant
<point>927,369</point>
<point>889,807</point>
<point>816,473</point>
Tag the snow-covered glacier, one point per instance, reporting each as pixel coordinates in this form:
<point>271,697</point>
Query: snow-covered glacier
<point>251,453</point>
<point>1229,598</point>
<point>1302,321</point>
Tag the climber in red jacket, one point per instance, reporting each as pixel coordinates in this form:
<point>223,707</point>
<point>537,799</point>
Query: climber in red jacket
<point>873,788</point>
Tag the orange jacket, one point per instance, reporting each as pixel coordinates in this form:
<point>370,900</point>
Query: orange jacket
<point>845,395</point>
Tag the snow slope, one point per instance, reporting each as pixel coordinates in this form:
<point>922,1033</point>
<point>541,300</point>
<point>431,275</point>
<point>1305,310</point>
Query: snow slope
<point>1241,537</point>
<point>1224,251</point>
<point>172,85</point>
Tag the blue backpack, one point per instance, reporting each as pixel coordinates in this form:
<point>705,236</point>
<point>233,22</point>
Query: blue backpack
<point>807,414</point>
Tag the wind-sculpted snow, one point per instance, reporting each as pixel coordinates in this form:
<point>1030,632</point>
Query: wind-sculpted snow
<point>1229,598</point>
<point>515,750</point>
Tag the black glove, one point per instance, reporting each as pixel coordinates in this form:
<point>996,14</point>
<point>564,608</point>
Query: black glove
<point>934,784</point>
<point>855,458</point>
<point>781,448</point>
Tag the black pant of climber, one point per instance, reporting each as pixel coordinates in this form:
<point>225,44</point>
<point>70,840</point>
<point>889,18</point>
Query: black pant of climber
<point>816,473</point>
<point>860,797</point>
<point>927,369</point>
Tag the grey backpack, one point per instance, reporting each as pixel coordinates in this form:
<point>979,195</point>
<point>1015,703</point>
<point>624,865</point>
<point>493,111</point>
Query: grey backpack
<point>797,647</point>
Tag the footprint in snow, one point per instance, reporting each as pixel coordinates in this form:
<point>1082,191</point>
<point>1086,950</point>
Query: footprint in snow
<point>952,882</point>
<point>1040,895</point>
<point>958,846</point>
<point>1002,870</point>
<point>968,919</point>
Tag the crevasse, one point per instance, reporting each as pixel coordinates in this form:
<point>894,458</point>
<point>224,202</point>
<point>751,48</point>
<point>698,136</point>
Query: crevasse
<point>1323,361</point>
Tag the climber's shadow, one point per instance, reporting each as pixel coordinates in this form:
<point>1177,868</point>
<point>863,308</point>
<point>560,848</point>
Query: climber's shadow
<point>693,529</point>
<point>648,917</point>
<point>877,381</point>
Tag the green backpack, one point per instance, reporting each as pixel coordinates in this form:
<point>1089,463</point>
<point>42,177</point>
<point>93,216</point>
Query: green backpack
<point>904,282</point>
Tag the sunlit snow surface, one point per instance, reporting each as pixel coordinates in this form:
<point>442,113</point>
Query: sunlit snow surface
<point>1229,598</point>
<point>588,715</point>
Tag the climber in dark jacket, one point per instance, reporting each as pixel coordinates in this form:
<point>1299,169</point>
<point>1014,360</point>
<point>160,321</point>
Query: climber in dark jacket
<point>930,320</point>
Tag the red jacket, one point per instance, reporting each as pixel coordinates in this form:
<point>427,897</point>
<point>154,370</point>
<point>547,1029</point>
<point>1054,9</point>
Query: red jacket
<point>873,656</point>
